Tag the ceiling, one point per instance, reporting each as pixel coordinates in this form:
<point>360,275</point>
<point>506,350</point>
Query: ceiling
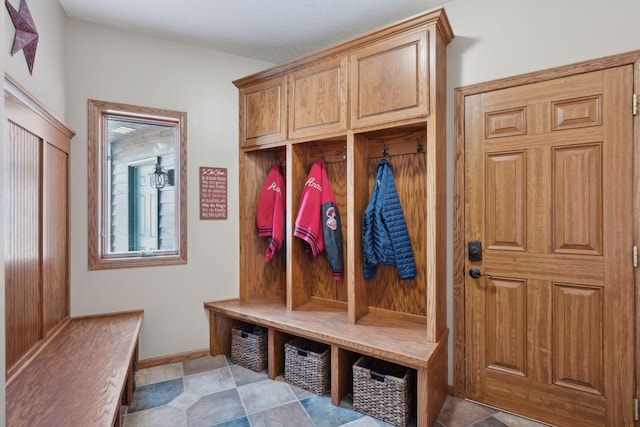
<point>270,30</point>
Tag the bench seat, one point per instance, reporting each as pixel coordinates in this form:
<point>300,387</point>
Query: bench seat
<point>392,339</point>
<point>80,376</point>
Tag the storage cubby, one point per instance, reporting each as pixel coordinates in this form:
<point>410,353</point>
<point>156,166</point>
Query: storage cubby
<point>395,108</point>
<point>260,278</point>
<point>311,280</point>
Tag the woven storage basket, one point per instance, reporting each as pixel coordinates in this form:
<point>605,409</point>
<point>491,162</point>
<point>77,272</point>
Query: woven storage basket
<point>307,365</point>
<point>382,390</point>
<point>249,347</point>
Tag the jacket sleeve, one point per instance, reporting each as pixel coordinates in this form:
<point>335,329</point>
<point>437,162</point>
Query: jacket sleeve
<point>332,237</point>
<point>393,217</point>
<point>369,256</point>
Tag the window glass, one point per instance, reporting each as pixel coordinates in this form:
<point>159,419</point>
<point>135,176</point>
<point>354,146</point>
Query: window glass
<point>137,186</point>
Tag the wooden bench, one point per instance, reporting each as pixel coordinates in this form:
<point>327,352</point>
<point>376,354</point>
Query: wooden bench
<point>81,375</point>
<point>392,339</point>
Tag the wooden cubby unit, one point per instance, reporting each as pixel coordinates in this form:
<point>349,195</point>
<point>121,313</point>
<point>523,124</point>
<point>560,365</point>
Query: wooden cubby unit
<point>395,106</point>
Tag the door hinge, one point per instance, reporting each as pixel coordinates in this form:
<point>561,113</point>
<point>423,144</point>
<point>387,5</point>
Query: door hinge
<point>635,409</point>
<point>634,104</point>
<point>635,257</point>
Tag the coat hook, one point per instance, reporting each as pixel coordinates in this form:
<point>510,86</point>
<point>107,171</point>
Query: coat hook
<point>385,151</point>
<point>324,158</point>
<point>419,146</point>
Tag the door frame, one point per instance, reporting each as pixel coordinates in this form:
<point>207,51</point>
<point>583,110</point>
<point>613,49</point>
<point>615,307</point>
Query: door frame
<point>459,242</point>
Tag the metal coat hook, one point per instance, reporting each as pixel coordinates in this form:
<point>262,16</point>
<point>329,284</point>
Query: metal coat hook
<point>419,146</point>
<point>385,151</point>
<point>324,158</point>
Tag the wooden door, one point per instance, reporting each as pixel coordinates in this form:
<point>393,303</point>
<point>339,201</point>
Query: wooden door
<point>548,185</point>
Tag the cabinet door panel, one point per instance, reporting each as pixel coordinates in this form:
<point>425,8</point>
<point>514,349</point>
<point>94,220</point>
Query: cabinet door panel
<point>389,80</point>
<point>263,110</point>
<point>318,99</point>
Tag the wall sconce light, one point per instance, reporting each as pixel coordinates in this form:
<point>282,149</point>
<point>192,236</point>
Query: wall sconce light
<point>161,177</point>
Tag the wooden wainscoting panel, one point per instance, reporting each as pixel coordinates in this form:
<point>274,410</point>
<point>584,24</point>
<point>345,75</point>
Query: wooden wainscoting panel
<point>22,205</point>
<point>55,237</point>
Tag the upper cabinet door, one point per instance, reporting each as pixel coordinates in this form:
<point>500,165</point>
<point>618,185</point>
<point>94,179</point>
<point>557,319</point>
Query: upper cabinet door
<point>390,80</point>
<point>318,99</point>
<point>263,112</point>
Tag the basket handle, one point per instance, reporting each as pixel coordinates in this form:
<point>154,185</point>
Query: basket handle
<point>378,377</point>
<point>244,334</point>
<point>302,353</point>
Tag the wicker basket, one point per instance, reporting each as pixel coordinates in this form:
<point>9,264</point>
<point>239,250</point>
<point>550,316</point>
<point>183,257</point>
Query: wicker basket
<point>307,365</point>
<point>249,347</point>
<point>382,390</point>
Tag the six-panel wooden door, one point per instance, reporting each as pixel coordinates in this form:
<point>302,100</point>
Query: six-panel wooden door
<point>548,192</point>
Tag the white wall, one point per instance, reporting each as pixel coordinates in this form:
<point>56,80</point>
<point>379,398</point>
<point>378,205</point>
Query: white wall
<point>118,66</point>
<point>502,38</point>
<point>47,84</point>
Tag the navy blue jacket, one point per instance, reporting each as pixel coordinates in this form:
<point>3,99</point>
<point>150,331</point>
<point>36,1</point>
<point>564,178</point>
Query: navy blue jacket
<point>385,238</point>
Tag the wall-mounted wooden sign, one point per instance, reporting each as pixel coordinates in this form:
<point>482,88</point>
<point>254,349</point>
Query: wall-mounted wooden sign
<point>213,193</point>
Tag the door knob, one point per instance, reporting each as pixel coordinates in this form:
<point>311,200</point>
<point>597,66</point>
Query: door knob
<point>475,273</point>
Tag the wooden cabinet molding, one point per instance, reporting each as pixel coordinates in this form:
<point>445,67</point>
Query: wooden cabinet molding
<point>387,73</point>
<point>389,80</point>
<point>263,112</point>
<point>318,99</point>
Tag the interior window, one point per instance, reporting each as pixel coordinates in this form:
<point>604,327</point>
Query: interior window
<point>137,186</point>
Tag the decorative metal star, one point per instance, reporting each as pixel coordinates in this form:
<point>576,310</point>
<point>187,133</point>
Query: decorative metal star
<point>26,37</point>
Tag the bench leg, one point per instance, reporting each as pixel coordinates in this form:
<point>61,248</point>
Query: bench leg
<point>276,342</point>
<point>220,333</point>
<point>432,387</point>
<point>341,372</point>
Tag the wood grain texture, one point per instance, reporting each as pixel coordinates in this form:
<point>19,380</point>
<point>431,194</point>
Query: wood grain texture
<point>263,112</point>
<point>318,99</point>
<point>55,237</point>
<point>220,328</point>
<point>395,340</point>
<point>436,177</point>
<point>396,79</point>
<point>23,315</point>
<point>78,378</point>
<point>318,272</point>
<point>275,347</point>
<point>463,111</point>
<point>358,194</point>
<point>389,79</point>
<point>386,290</point>
<point>258,278</point>
<point>36,223</point>
<point>432,386</point>
<point>341,373</point>
<point>435,17</point>
<point>574,259</point>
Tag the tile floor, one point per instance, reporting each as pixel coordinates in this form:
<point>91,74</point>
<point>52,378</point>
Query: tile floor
<point>212,391</point>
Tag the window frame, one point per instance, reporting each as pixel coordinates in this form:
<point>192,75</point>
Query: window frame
<point>98,111</point>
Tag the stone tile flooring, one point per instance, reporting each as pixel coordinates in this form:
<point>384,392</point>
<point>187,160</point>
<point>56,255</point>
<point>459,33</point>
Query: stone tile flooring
<point>212,391</point>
